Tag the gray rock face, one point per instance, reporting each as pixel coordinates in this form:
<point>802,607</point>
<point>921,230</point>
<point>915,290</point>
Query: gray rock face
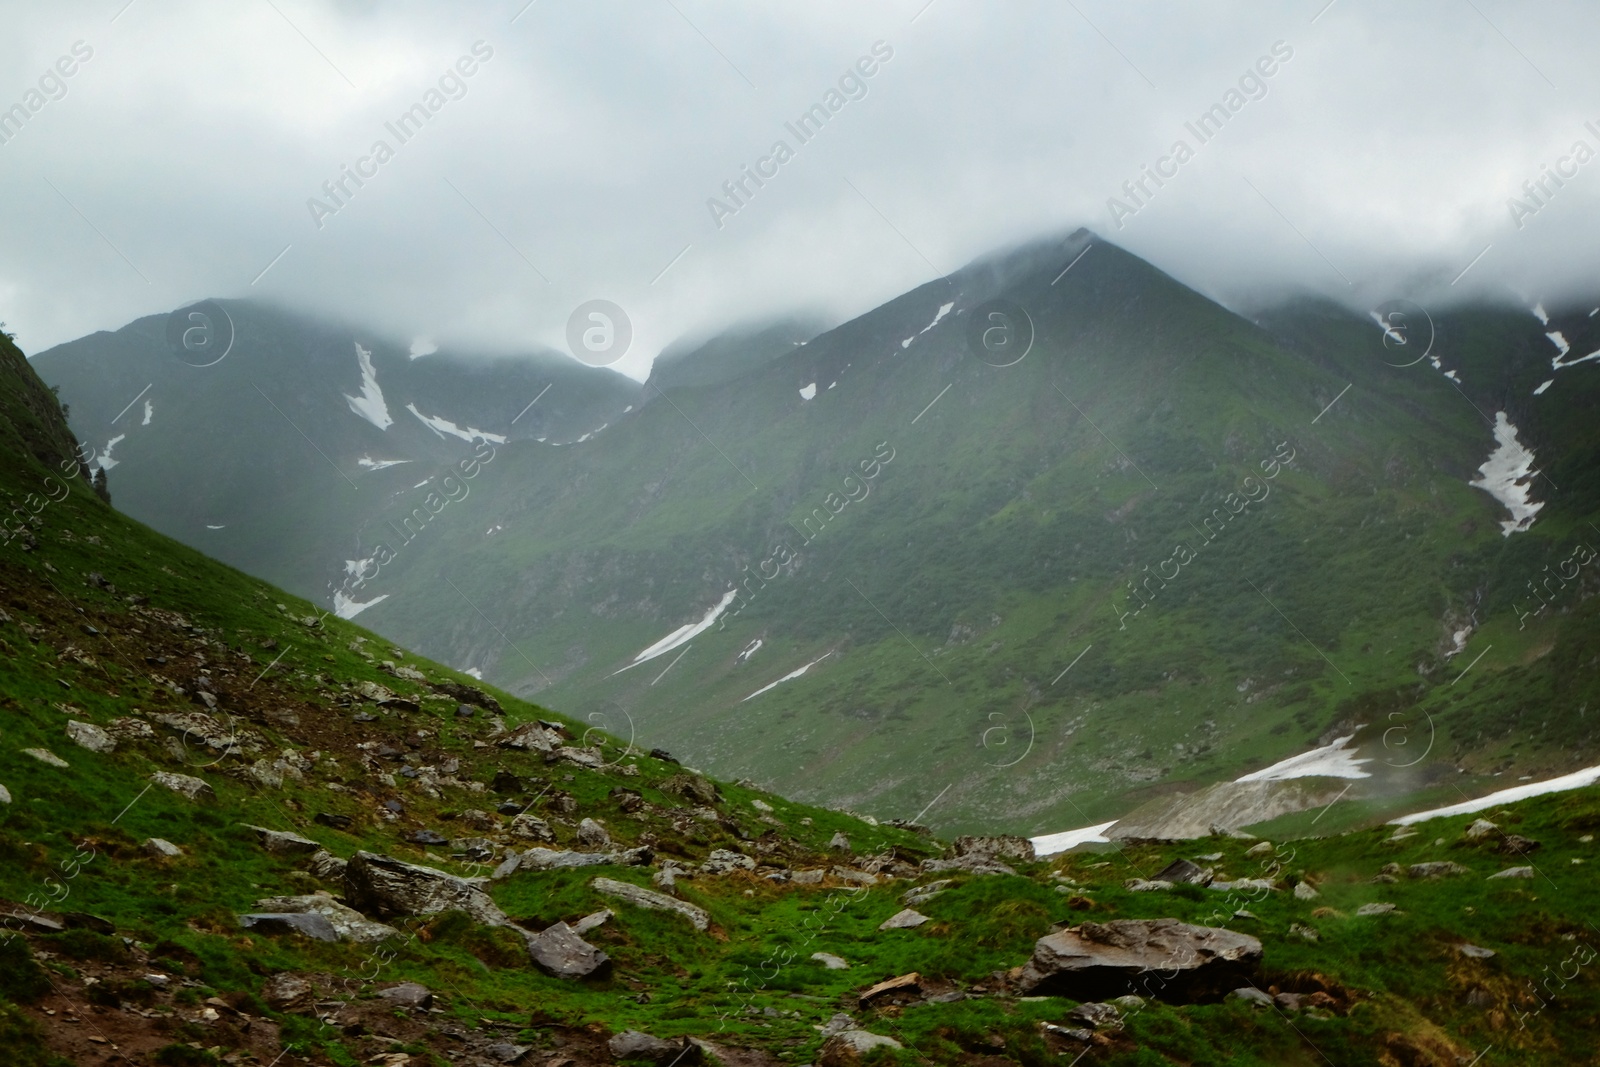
<point>532,828</point>
<point>972,864</point>
<point>5,795</point>
<point>283,843</point>
<point>1163,958</point>
<point>196,789</point>
<point>348,923</point>
<point>408,995</point>
<point>1436,869</point>
<point>1479,829</point>
<point>387,887</point>
<point>903,920</point>
<point>1182,872</point>
<point>1251,995</point>
<point>1096,1015</point>
<point>845,1048</point>
<point>1002,847</point>
<point>912,897</point>
<point>723,860</point>
<point>89,736</point>
<point>161,847</point>
<point>1375,909</point>
<point>561,953</point>
<point>830,961</point>
<point>45,756</point>
<point>546,859</point>
<point>1514,872</point>
<point>592,835</point>
<point>592,921</point>
<point>634,1045</point>
<point>646,898</point>
<point>309,923</point>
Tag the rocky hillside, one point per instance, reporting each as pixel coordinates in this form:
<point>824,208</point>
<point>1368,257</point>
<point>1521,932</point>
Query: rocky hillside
<point>235,829</point>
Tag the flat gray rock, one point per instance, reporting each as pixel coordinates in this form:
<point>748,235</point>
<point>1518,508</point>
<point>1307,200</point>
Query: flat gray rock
<point>309,923</point>
<point>648,898</point>
<point>903,920</point>
<point>197,789</point>
<point>387,887</point>
<point>89,736</point>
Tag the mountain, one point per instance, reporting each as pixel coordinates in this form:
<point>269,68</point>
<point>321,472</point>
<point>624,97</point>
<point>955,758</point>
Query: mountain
<point>1028,565</point>
<point>239,829</point>
<point>278,443</point>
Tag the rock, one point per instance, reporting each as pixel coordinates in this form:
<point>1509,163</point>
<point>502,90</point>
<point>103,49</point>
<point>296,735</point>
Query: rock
<point>1305,933</point>
<point>974,864</point>
<point>830,961</point>
<point>923,893</point>
<point>387,887</point>
<point>1305,891</point>
<point>1436,869</point>
<point>1287,1001</point>
<point>408,995</point>
<point>906,983</point>
<point>89,736</point>
<point>1243,885</point>
<point>723,860</point>
<point>662,754</point>
<point>196,789</point>
<point>1514,872</point>
<point>1096,1015</point>
<point>845,1048</point>
<point>161,848</point>
<point>807,877</point>
<point>504,1052</point>
<point>44,755</point>
<point>311,924</point>
<point>531,737</point>
<point>1474,952</point>
<point>467,694</point>
<point>283,843</point>
<point>1479,829</point>
<point>199,728</point>
<point>427,837</point>
<point>903,920</point>
<point>1095,959</point>
<point>761,806</point>
<point>465,711</point>
<point>692,787</point>
<point>337,822</point>
<point>286,992</point>
<point>634,1045</point>
<point>1375,909</point>
<point>1518,844</point>
<point>128,728</point>
<point>1259,849</point>
<point>591,921</point>
<point>1141,885</point>
<point>850,874</point>
<point>326,866</point>
<point>667,877</point>
<point>532,828</point>
<point>546,859</point>
<point>561,953</point>
<point>1004,846</point>
<point>1251,995</point>
<point>472,849</point>
<point>1182,872</point>
<point>348,923</point>
<point>592,835</point>
<point>646,898</point>
<point>5,795</point>
<point>839,842</point>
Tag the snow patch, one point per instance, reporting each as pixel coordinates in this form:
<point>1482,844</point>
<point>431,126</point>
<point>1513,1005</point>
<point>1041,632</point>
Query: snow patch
<point>683,634</point>
<point>1329,761</point>
<point>944,309</point>
<point>474,672</point>
<point>370,404</point>
<point>1540,313</point>
<point>791,676</point>
<point>1576,780</point>
<point>1562,348</point>
<point>1051,844</point>
<point>1544,386</point>
<point>496,528</point>
<point>749,650</point>
<point>210,527</point>
<point>149,413</point>
<point>347,608</point>
<point>368,463</point>
<point>444,427</point>
<point>104,460</point>
<point>1507,476</point>
<point>809,391</point>
<point>422,346</point>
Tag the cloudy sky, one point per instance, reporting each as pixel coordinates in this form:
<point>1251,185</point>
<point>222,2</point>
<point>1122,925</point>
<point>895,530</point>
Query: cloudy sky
<point>578,159</point>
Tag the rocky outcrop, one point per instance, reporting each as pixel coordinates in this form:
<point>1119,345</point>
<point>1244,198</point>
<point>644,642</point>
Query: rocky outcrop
<point>387,887</point>
<point>634,1045</point>
<point>89,736</point>
<point>1161,958</point>
<point>348,923</point>
<point>647,898</point>
<point>309,923</point>
<point>197,789</point>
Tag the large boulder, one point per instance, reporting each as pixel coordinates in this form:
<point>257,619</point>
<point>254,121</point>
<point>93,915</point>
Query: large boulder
<point>282,842</point>
<point>88,735</point>
<point>1162,958</point>
<point>348,923</point>
<point>387,887</point>
<point>197,789</point>
<point>561,953</point>
<point>309,923</point>
<point>634,1045</point>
